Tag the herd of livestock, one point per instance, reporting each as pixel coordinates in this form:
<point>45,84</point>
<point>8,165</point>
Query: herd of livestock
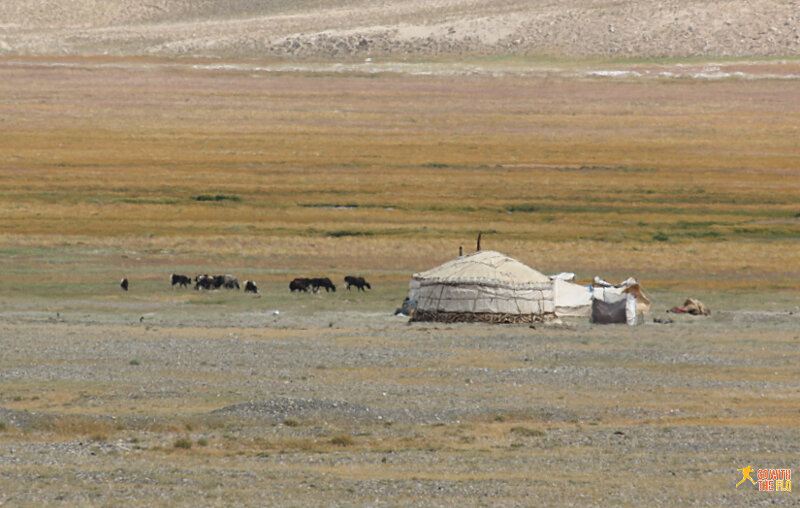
<point>227,281</point>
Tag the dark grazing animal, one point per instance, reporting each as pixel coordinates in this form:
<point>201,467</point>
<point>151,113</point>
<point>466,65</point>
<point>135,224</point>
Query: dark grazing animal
<point>323,282</point>
<point>183,280</point>
<point>231,282</point>
<point>250,287</point>
<point>358,282</point>
<point>226,281</point>
<point>124,284</point>
<point>204,281</point>
<point>300,284</point>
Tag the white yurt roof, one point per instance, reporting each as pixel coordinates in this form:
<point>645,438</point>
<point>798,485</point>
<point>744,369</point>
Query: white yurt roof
<point>485,266</point>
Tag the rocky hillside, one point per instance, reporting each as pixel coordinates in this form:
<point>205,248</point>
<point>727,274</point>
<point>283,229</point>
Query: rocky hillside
<point>357,29</point>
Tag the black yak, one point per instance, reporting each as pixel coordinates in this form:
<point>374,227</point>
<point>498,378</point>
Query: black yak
<point>183,280</point>
<point>358,282</point>
<point>226,281</point>
<point>250,287</point>
<point>124,284</point>
<point>323,282</point>
<point>300,284</point>
<point>204,281</point>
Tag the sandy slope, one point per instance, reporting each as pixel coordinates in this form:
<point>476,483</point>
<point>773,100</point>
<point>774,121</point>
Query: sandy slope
<point>345,29</point>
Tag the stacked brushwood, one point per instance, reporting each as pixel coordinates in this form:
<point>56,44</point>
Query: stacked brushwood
<point>479,317</point>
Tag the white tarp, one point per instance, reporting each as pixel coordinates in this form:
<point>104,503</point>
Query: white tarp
<point>572,300</point>
<point>567,276</point>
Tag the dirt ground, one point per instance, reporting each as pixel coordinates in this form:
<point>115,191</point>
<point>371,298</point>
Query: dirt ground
<point>215,400</point>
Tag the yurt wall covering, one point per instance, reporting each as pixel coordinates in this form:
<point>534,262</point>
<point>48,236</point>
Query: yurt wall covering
<point>484,286</point>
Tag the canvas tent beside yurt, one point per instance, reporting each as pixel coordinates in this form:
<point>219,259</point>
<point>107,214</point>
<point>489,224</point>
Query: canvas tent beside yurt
<point>618,303</point>
<point>571,300</point>
<point>485,286</point>
<point>602,302</point>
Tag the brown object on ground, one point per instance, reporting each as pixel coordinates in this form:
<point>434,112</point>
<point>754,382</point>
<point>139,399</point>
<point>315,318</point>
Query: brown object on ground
<point>692,306</point>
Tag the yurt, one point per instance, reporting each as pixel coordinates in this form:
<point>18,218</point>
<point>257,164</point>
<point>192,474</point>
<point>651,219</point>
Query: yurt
<point>485,286</point>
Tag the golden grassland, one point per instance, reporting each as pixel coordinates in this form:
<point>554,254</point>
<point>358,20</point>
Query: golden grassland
<point>136,164</point>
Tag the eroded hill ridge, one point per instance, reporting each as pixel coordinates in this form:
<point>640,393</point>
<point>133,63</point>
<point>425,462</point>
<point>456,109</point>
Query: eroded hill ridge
<point>355,29</point>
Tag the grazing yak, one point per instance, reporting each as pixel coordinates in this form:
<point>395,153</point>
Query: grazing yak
<point>300,284</point>
<point>250,287</point>
<point>323,282</point>
<point>206,281</point>
<point>226,281</point>
<point>183,280</point>
<point>358,282</point>
<point>124,284</point>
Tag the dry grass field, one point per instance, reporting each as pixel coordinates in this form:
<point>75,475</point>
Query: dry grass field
<point>693,181</point>
<point>158,396</point>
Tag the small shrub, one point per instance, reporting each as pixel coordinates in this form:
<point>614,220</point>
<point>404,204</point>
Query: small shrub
<point>134,362</point>
<point>216,197</point>
<point>348,232</point>
<point>183,443</point>
<point>499,418</point>
<point>660,237</point>
<point>342,440</point>
<point>202,442</point>
<point>525,431</point>
<point>329,205</point>
<point>2,426</point>
<point>291,422</point>
<point>523,207</point>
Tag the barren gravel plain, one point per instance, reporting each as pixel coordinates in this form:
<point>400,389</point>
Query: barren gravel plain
<point>215,400</point>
